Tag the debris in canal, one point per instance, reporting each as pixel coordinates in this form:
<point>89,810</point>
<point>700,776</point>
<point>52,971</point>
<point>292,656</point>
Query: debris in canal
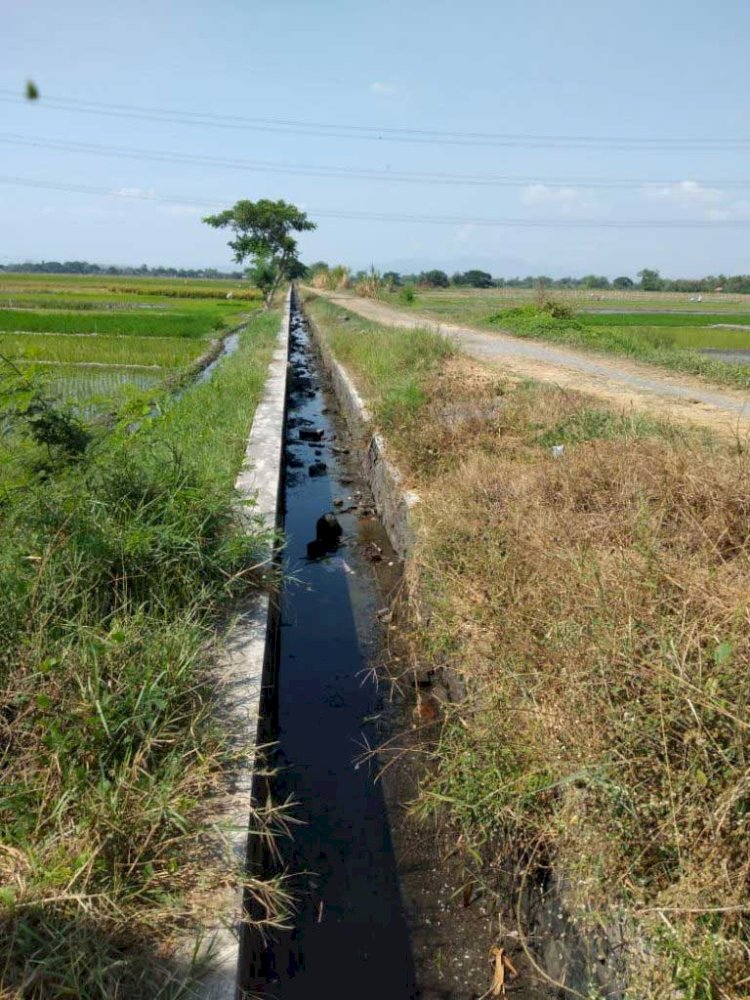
<point>318,469</point>
<point>311,434</point>
<point>329,530</point>
<point>372,552</point>
<point>328,533</point>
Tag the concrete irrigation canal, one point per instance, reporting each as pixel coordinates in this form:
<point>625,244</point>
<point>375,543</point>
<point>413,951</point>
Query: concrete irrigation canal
<point>349,936</point>
<point>380,908</point>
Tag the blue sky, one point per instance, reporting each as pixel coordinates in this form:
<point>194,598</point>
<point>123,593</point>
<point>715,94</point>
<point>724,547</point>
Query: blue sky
<point>662,71</point>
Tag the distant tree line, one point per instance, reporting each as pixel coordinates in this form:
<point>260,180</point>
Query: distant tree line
<point>84,267</point>
<point>647,280</point>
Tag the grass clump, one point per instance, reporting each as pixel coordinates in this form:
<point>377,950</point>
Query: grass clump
<point>116,560</point>
<point>594,607</point>
<point>392,367</point>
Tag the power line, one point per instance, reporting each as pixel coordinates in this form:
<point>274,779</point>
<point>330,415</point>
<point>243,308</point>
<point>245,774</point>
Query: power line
<point>333,171</point>
<point>385,133</point>
<point>363,216</point>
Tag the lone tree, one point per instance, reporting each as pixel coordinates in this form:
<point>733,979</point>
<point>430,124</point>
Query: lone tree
<point>263,233</point>
<point>650,280</point>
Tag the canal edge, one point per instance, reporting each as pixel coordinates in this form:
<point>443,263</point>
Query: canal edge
<point>246,667</point>
<point>393,501</point>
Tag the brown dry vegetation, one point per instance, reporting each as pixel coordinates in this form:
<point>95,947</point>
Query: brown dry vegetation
<point>596,607</point>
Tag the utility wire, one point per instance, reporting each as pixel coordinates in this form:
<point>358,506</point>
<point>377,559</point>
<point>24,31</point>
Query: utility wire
<point>446,220</point>
<point>331,170</point>
<point>384,133</point>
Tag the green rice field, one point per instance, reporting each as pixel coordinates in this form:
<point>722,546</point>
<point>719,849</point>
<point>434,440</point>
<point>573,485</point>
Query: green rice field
<point>95,344</point>
<point>165,352</point>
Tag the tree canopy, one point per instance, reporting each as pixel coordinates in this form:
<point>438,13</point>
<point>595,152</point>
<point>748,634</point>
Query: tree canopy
<point>263,234</point>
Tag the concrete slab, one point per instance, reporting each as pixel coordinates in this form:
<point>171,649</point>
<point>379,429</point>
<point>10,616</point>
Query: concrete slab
<point>244,651</point>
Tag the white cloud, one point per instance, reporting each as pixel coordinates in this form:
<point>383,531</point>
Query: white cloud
<point>134,192</point>
<point>385,89</point>
<point>689,193</point>
<point>714,204</point>
<point>567,200</point>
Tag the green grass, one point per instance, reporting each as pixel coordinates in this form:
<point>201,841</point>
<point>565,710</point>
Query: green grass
<point>118,555</point>
<point>664,319</point>
<point>99,390</point>
<point>672,339</point>
<point>598,424</point>
<point>196,324</point>
<point>658,344</point>
<point>691,337</point>
<point>64,284</point>
<point>392,367</point>
<point>206,424</point>
<point>166,352</point>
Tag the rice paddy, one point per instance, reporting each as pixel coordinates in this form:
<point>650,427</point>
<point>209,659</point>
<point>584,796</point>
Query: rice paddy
<point>94,344</point>
<point>164,352</point>
<point>120,322</point>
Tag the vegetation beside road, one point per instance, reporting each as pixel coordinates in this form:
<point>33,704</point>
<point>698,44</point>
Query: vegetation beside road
<point>594,603</point>
<point>696,341</point>
<point>120,549</point>
<point>651,339</point>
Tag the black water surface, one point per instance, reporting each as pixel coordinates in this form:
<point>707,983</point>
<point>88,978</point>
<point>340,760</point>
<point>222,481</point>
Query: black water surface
<point>349,937</point>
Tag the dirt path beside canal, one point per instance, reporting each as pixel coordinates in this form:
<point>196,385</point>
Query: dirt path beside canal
<point>628,384</point>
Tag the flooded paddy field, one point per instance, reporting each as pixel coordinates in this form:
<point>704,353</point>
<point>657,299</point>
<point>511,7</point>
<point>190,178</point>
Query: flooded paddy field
<point>96,344</point>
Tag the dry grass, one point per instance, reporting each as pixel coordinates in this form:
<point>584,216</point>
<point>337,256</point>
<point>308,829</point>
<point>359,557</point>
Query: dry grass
<point>595,605</point>
<point>334,278</point>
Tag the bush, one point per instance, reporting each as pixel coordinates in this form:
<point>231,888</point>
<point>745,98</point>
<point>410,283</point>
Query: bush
<point>536,321</point>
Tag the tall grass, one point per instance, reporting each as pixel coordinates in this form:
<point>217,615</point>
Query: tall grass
<point>113,570</point>
<point>391,367</point>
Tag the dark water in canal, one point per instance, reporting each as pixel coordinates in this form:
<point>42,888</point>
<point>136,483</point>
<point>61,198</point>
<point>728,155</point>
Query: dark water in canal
<point>349,937</point>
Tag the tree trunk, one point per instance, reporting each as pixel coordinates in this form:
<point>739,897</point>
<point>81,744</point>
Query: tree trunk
<point>276,283</point>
